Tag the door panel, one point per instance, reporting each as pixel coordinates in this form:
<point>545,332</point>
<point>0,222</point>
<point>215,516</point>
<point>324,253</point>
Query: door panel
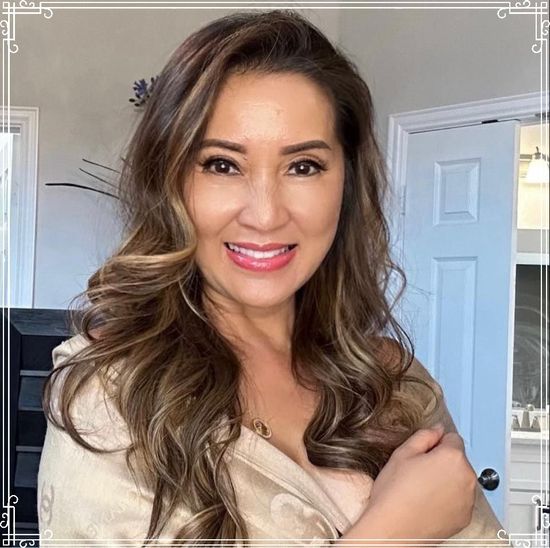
<point>459,241</point>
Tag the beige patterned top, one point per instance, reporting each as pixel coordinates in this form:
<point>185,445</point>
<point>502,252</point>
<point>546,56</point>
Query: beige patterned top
<point>90,496</point>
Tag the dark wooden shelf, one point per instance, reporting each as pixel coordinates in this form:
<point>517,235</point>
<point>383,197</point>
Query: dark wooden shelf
<point>33,334</point>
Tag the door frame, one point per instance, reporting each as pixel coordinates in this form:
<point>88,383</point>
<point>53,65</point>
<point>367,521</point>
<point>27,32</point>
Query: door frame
<point>23,227</point>
<point>526,108</point>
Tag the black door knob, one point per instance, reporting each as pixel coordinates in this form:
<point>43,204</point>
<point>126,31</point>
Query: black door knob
<point>489,479</point>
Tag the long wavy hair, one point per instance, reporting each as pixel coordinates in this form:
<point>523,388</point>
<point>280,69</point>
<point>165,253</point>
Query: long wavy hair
<point>177,376</point>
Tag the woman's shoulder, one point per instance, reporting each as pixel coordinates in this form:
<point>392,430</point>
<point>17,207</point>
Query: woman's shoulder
<point>93,411</point>
<point>389,350</point>
<point>68,347</point>
<point>72,345</point>
<point>85,494</point>
<point>429,391</point>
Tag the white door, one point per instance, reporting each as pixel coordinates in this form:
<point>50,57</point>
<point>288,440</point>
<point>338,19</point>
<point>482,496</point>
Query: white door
<point>459,242</point>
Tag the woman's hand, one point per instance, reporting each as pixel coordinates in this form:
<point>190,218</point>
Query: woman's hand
<point>425,491</point>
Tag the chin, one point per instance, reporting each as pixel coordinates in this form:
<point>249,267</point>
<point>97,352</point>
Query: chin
<point>265,300</point>
<point>259,293</point>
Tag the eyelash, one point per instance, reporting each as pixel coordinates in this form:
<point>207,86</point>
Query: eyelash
<point>318,164</point>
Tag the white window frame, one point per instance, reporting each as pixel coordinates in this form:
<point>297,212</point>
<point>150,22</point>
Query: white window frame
<point>22,226</point>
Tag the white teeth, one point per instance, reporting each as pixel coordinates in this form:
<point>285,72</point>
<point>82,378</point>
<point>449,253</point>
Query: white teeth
<point>258,254</point>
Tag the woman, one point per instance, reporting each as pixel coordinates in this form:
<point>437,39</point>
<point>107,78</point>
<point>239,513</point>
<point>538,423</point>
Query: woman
<point>233,375</point>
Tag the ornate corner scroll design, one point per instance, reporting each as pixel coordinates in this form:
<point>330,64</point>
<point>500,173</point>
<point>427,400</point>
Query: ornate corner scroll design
<point>541,510</point>
<point>522,542</point>
<point>502,534</point>
<point>30,8</point>
<point>8,520</point>
<point>32,539</point>
<point>7,26</point>
<point>10,10</point>
<point>529,540</point>
<point>520,6</point>
<point>538,539</point>
<point>539,10</point>
<point>541,28</point>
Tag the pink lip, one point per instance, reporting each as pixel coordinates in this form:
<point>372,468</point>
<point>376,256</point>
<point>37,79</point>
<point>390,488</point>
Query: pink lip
<point>261,265</point>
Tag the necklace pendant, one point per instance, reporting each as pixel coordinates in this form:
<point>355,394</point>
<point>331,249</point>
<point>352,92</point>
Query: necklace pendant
<point>261,428</point>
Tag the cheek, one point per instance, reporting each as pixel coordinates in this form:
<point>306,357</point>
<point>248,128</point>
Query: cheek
<point>210,211</point>
<point>319,213</point>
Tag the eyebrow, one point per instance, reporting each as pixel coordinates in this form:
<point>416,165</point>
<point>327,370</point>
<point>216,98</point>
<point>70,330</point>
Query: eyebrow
<point>290,149</point>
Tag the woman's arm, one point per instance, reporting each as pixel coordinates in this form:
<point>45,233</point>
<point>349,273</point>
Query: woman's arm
<point>418,516</point>
<point>484,523</point>
<point>407,502</point>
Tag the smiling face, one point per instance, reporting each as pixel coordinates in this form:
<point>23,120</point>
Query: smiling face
<point>256,187</point>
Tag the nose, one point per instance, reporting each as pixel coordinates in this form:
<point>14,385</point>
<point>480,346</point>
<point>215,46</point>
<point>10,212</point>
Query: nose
<point>266,207</point>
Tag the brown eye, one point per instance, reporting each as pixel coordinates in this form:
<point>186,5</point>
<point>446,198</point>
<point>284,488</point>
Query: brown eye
<point>304,167</point>
<point>222,166</point>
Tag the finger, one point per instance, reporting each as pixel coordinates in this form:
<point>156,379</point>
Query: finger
<point>421,441</point>
<point>451,439</point>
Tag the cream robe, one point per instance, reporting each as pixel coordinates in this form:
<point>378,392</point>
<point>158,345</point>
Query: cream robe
<point>85,495</point>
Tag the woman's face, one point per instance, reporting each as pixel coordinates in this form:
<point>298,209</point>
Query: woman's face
<point>246,189</point>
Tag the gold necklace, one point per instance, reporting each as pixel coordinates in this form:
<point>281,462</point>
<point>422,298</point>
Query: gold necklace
<point>261,427</point>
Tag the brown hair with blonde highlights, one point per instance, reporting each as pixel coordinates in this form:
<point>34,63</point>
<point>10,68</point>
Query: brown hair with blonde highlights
<point>177,376</point>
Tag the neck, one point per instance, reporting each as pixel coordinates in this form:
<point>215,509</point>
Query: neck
<point>253,329</point>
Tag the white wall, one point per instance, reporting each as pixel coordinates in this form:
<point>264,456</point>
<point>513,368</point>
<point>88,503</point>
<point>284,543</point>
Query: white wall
<point>414,59</point>
<point>79,67</point>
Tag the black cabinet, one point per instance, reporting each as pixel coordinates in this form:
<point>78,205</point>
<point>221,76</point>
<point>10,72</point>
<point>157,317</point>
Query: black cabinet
<point>30,335</point>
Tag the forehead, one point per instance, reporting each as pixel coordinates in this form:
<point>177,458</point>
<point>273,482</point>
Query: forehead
<point>271,107</point>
